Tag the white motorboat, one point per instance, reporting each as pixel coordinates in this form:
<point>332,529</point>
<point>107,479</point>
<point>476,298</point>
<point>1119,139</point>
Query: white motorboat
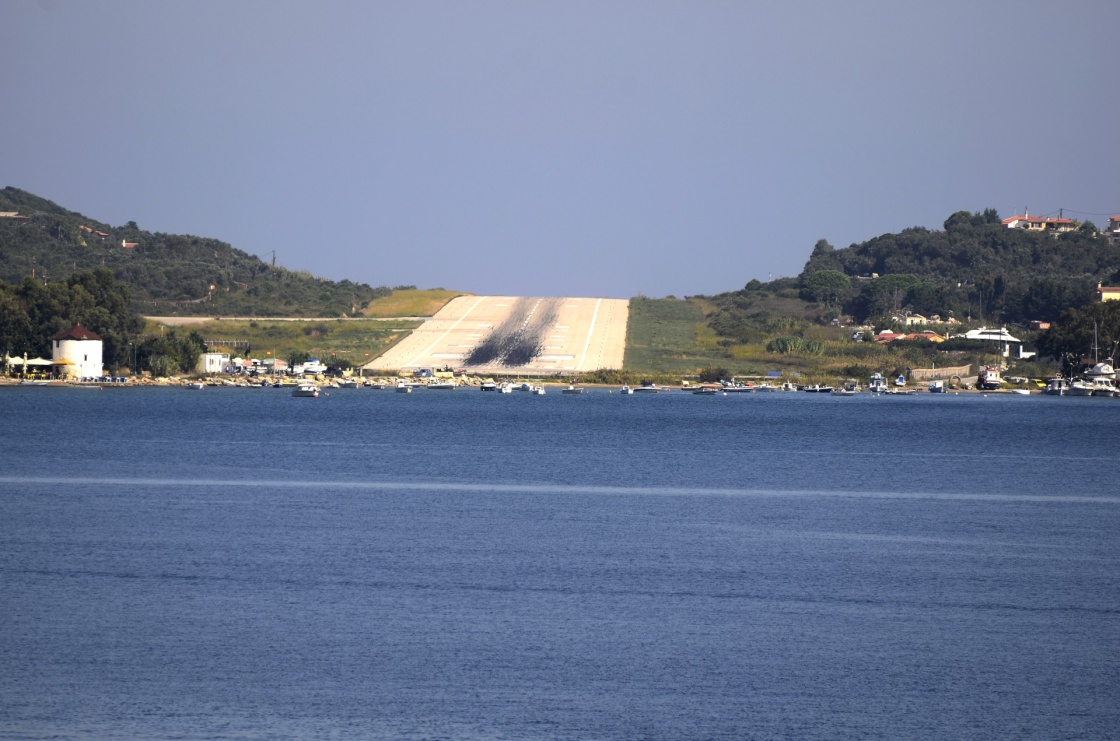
<point>851,388</point>
<point>442,385</point>
<point>626,391</point>
<point>488,386</point>
<point>573,390</point>
<point>350,384</point>
<point>538,390</point>
<point>525,387</point>
<point>937,387</point>
<point>1080,387</point>
<point>877,384</point>
<point>1103,386</point>
<point>403,388</point>
<point>647,388</point>
<point>505,388</point>
<point>306,390</point>
<point>196,385</point>
<point>900,381</point>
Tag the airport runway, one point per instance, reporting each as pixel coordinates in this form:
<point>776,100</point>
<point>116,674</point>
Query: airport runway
<point>516,334</point>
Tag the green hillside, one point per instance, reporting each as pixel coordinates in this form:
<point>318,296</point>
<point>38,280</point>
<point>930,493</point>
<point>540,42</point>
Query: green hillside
<point>975,267</point>
<point>167,274</point>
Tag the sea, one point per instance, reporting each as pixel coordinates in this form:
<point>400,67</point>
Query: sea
<point>240,564</point>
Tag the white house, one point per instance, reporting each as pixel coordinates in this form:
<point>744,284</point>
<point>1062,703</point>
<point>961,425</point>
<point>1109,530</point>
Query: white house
<point>214,362</point>
<point>78,352</point>
<point>1000,337</point>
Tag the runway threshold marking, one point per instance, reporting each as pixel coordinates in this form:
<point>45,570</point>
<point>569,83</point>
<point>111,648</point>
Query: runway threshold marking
<point>590,330</point>
<point>455,324</point>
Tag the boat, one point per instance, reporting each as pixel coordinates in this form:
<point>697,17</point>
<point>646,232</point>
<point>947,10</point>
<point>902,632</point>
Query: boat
<point>900,381</point>
<point>937,387</point>
<point>816,388</point>
<point>306,390</point>
<point>1057,386</point>
<point>877,384</point>
<point>989,379</point>
<point>1080,387</point>
<point>538,390</point>
<point>350,384</point>
<point>442,385</point>
<point>647,388</point>
<point>573,390</point>
<point>196,385</point>
<point>33,382</point>
<point>525,387</point>
<point>626,391</point>
<point>707,391</point>
<point>1103,386</point>
<point>403,388</point>
<point>788,386</point>
<point>1021,392</point>
<point>851,388</point>
<point>505,388</point>
<point>488,386</point>
<point>739,388</point>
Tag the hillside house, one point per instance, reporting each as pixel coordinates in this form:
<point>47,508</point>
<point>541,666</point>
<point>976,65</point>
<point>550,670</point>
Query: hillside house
<point>1113,231</point>
<point>1047,224</point>
<point>1108,293</point>
<point>1007,345</point>
<point>78,352</point>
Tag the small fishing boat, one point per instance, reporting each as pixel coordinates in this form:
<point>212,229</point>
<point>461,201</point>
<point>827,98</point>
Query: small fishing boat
<point>308,390</point>
<point>538,390</point>
<point>573,390</point>
<point>196,385</point>
<point>1056,386</point>
<point>626,391</point>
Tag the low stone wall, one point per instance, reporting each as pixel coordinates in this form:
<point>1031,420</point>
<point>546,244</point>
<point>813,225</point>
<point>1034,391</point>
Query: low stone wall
<point>939,374</point>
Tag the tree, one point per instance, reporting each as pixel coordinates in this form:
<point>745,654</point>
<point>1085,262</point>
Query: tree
<point>829,287</point>
<point>1071,339</point>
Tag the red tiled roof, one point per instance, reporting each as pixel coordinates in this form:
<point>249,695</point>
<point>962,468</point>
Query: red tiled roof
<point>77,332</point>
<point>1042,219</point>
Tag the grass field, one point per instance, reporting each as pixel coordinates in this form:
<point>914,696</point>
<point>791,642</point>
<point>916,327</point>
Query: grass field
<point>669,335</point>
<point>410,302</point>
<point>355,341</point>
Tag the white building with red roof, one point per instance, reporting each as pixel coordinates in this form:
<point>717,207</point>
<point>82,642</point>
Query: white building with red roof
<point>77,351</point>
<point>1055,225</point>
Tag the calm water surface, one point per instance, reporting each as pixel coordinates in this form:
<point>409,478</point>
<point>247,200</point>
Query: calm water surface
<point>241,564</point>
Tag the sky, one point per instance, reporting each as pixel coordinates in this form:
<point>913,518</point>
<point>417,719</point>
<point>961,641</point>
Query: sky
<point>569,148</point>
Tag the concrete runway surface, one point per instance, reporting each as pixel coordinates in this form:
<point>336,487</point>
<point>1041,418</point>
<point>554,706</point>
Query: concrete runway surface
<point>516,334</point>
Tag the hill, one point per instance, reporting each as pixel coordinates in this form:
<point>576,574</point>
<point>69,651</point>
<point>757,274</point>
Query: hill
<point>167,274</point>
<point>976,267</point>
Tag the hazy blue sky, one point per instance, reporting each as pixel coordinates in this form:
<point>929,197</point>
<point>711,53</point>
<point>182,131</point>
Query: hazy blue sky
<point>558,148</point>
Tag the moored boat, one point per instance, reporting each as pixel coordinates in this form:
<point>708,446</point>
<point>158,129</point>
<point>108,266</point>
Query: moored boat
<point>989,378</point>
<point>306,390</point>
<point>1057,386</point>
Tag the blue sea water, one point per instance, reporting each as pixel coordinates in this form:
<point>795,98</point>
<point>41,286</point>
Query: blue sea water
<point>241,564</point>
